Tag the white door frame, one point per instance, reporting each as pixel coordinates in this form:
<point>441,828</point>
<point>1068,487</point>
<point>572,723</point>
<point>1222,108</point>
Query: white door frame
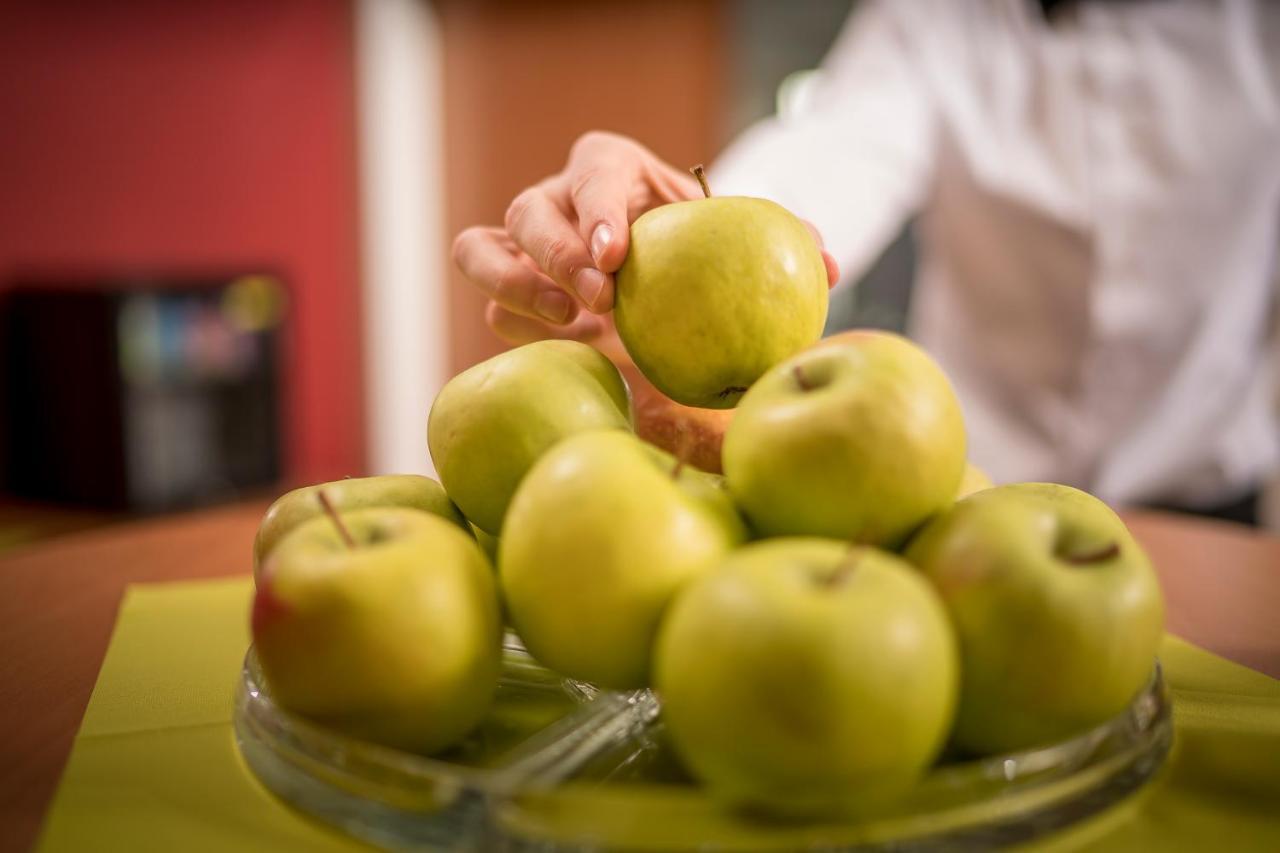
<point>399,120</point>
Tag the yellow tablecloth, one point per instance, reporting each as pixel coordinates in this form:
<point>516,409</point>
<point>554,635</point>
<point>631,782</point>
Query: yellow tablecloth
<point>155,766</point>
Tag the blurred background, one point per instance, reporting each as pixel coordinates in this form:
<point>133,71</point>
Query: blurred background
<point>224,226</point>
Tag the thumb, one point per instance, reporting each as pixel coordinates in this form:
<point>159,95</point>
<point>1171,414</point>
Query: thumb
<point>600,199</point>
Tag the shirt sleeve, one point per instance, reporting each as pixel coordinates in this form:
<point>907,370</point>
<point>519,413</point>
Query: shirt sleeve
<point>857,159</point>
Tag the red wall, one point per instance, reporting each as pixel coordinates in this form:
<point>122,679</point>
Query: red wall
<point>197,135</point>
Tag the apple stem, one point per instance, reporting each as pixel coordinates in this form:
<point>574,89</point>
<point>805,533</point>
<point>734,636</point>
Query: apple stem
<point>1098,555</point>
<point>701,175</point>
<point>801,379</point>
<point>844,571</point>
<point>330,511</point>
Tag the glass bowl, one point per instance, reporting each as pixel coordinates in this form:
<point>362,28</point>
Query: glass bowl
<point>559,765</point>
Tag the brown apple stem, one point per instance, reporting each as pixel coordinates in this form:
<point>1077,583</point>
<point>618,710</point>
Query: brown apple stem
<point>701,175</point>
<point>330,511</point>
<point>801,379</point>
<point>844,571</point>
<point>1098,555</point>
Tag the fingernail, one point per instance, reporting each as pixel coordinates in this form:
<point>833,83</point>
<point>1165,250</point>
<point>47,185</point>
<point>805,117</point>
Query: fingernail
<point>600,240</point>
<point>554,306</point>
<point>588,283</point>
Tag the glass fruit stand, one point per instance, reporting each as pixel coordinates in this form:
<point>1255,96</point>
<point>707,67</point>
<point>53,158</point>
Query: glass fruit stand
<point>560,765</point>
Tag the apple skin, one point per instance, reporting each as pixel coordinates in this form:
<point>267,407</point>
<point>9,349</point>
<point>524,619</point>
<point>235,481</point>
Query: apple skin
<point>807,678</point>
<point>693,434</point>
<point>974,480</point>
<point>714,292</point>
<point>404,490</point>
<point>1049,647</point>
<point>860,438</point>
<point>599,538</point>
<point>491,422</point>
<point>397,640</point>
<point>488,543</point>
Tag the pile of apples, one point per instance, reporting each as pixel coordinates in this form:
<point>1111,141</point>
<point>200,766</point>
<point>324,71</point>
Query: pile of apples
<point>848,598</point>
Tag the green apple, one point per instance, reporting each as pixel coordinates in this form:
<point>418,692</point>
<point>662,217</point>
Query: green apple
<point>807,677</point>
<point>716,291</point>
<point>601,534</point>
<point>974,480</point>
<point>1056,607</point>
<point>488,544</point>
<point>859,438</point>
<point>392,635</point>
<point>491,422</point>
<point>405,490</point>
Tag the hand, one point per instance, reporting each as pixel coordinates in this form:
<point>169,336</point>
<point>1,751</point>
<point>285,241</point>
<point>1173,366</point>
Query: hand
<point>565,237</point>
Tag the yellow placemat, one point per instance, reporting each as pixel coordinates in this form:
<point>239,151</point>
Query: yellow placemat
<point>1220,789</point>
<point>155,766</point>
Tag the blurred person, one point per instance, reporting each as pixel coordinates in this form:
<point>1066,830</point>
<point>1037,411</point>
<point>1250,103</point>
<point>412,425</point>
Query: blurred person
<point>1097,186</point>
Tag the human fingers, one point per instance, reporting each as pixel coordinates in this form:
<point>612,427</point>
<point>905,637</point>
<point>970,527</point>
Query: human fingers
<point>604,174</point>
<point>518,329</point>
<point>490,261</point>
<point>828,260</point>
<point>541,228</point>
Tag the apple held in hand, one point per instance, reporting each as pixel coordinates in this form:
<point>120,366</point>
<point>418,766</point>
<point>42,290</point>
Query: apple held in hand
<point>806,678</point>
<point>1056,607</point>
<point>859,438</point>
<point>404,490</point>
<point>491,422</point>
<point>393,636</point>
<point>716,291</point>
<point>601,534</point>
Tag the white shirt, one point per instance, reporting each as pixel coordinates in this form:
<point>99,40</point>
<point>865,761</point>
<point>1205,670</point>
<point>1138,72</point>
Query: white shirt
<point>1098,205</point>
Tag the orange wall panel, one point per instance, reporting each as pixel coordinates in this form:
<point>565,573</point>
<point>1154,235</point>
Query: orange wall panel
<point>523,80</point>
